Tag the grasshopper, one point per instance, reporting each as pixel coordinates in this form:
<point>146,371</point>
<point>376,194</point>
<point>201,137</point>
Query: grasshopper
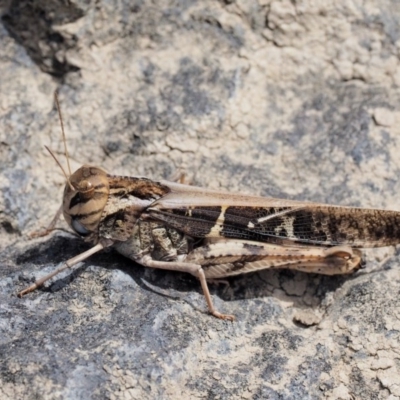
<point>214,234</point>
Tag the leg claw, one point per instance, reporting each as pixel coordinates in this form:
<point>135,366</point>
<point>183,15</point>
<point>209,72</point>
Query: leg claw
<point>226,317</point>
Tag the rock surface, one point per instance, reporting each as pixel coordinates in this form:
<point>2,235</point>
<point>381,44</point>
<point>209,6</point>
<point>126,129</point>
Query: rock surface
<point>295,99</point>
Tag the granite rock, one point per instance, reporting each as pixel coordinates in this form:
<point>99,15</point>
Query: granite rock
<point>293,99</point>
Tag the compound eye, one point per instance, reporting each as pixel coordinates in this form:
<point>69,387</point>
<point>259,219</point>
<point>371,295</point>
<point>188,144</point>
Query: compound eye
<point>79,228</point>
<point>86,189</point>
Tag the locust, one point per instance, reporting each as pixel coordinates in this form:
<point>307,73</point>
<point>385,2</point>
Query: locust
<point>214,234</point>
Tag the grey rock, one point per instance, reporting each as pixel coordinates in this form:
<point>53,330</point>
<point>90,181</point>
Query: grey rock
<point>276,98</point>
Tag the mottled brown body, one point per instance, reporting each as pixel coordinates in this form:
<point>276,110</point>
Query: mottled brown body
<point>213,234</point>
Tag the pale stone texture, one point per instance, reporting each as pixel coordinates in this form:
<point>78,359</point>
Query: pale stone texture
<point>295,99</point>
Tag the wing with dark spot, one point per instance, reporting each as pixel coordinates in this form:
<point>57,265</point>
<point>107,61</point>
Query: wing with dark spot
<point>298,223</point>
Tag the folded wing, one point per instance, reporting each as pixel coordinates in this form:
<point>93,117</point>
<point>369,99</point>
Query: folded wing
<point>203,213</point>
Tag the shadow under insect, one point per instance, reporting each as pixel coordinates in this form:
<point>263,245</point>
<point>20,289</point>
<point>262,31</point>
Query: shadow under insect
<point>301,289</point>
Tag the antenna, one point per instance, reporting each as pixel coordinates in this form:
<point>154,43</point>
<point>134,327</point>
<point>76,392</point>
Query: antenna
<point>63,135</point>
<point>65,145</point>
<point>62,169</point>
